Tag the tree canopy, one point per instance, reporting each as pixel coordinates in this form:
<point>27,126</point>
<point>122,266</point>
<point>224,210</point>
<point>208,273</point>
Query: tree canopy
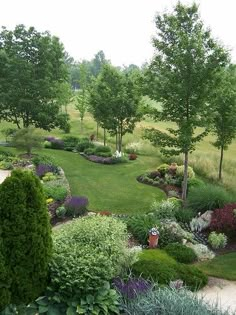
<point>182,73</point>
<point>114,100</point>
<point>32,72</point>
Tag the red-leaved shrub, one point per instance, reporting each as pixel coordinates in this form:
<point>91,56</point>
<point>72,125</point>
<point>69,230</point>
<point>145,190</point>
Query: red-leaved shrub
<point>224,219</point>
<point>132,156</point>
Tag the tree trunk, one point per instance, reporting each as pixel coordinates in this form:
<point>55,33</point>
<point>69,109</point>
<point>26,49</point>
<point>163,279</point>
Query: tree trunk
<point>221,162</point>
<point>81,124</point>
<point>185,181</point>
<point>116,140</point>
<point>104,136</point>
<point>97,131</point>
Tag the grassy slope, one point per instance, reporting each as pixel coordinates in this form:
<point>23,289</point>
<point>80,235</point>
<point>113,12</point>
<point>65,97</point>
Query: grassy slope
<point>109,187</point>
<point>223,266</point>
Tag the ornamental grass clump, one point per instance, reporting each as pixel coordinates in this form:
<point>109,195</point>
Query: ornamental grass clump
<point>166,301</point>
<point>76,206</point>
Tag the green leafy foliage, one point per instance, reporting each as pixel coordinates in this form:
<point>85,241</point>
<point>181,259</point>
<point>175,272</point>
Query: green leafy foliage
<point>58,193</point>
<point>195,182</point>
<point>184,52</point>
<point>25,235</point>
<point>160,267</point>
<point>217,240</point>
<point>87,252</point>
<point>164,209</point>
<point>26,139</point>
<point>181,253</point>
<point>70,143</point>
<point>33,83</point>
<point>61,212</point>
<point>140,225</point>
<point>208,197</point>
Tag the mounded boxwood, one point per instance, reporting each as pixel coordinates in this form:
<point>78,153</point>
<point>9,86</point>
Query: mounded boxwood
<point>181,253</point>
<point>159,266</point>
<point>26,236</point>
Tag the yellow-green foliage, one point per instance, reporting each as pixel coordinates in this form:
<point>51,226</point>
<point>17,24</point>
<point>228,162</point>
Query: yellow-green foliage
<point>87,252</point>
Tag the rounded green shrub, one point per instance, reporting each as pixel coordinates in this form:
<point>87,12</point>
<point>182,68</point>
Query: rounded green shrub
<point>103,154</point>
<point>61,212</point>
<point>87,252</point>
<point>208,197</point>
<point>163,169</point>
<point>192,277</point>
<point>181,253</point>
<point>89,151</point>
<point>195,182</point>
<point>101,148</point>
<point>180,172</point>
<point>157,265</point>
<point>217,240</point>
<point>25,234</point>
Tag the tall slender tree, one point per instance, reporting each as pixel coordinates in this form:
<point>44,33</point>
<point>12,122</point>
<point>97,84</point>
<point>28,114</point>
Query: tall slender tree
<point>185,63</point>
<point>223,100</point>
<point>115,103</point>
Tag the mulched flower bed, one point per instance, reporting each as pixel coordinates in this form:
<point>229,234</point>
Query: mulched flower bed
<point>166,188</point>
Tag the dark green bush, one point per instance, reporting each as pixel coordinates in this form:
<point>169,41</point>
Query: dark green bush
<point>181,253</point>
<point>140,225</point>
<point>58,193</point>
<point>103,154</point>
<point>157,265</point>
<point>163,169</point>
<point>193,278</point>
<point>43,159</point>
<point>195,182</point>
<point>70,143</point>
<point>184,215</point>
<point>26,235</point>
<point>208,197</point>
<point>5,281</point>
<point>102,148</point>
<point>84,144</point>
<point>89,151</point>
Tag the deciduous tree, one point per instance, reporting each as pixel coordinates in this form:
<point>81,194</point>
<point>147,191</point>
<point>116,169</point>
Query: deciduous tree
<point>185,63</point>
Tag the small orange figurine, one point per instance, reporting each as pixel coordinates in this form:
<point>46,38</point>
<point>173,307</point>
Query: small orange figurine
<point>153,238</point>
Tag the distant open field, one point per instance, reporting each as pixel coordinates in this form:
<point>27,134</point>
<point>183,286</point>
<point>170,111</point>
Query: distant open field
<point>204,160</point>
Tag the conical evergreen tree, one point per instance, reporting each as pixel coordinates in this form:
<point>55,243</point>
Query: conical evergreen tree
<point>25,234</point>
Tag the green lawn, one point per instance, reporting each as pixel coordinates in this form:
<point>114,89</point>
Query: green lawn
<point>109,187</point>
<point>223,266</point>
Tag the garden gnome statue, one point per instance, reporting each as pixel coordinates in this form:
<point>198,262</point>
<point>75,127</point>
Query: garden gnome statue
<point>153,238</point>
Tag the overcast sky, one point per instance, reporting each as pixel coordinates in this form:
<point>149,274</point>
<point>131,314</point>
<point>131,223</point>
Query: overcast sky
<point>121,28</point>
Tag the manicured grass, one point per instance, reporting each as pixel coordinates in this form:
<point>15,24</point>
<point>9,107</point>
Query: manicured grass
<point>109,187</point>
<point>223,266</point>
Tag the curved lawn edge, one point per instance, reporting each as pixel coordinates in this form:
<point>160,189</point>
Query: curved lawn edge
<point>113,189</point>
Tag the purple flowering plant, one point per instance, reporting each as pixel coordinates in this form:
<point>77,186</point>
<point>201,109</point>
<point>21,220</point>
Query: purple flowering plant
<point>42,169</point>
<point>132,287</point>
<point>76,205</point>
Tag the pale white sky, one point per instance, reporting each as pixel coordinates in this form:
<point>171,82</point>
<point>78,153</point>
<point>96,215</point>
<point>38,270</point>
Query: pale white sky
<point>121,28</point>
